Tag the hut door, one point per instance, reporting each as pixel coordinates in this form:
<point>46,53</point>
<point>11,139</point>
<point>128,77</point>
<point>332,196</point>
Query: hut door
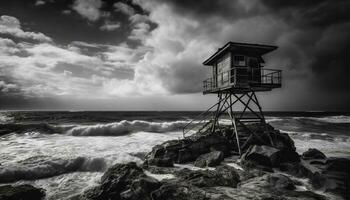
<point>240,69</point>
<point>253,70</point>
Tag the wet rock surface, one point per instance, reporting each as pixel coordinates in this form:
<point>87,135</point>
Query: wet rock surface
<point>211,159</point>
<point>21,192</point>
<point>221,176</point>
<point>313,154</point>
<point>206,167</point>
<point>123,181</point>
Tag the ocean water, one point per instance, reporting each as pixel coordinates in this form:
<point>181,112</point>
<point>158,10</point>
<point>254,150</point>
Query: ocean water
<point>67,152</point>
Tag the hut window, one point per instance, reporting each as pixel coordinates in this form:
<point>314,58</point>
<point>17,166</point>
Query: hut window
<point>239,60</point>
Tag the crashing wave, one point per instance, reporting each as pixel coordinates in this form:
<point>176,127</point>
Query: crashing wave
<point>334,119</point>
<point>317,136</point>
<point>104,129</point>
<point>125,127</point>
<point>32,169</point>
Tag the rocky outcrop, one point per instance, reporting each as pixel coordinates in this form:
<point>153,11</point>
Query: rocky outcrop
<point>123,181</point>
<point>267,157</point>
<point>21,192</point>
<point>209,159</point>
<point>189,149</point>
<point>326,174</point>
<point>228,180</point>
<point>262,156</point>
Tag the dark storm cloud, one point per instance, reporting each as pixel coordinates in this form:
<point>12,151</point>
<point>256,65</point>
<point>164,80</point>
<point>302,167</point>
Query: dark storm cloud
<point>324,36</point>
<point>319,13</point>
<point>227,9</point>
<point>315,36</point>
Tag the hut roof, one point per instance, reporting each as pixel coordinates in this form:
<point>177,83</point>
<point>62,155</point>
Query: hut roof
<point>240,48</point>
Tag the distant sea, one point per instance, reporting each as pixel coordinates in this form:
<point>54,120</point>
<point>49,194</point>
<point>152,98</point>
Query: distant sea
<point>67,152</point>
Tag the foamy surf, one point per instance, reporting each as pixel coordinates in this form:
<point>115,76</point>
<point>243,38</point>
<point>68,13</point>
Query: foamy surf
<point>44,167</point>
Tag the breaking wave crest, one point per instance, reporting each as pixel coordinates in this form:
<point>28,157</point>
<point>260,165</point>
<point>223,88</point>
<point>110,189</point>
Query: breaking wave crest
<point>42,168</point>
<point>334,119</point>
<point>125,127</point>
<point>317,136</point>
<point>104,129</point>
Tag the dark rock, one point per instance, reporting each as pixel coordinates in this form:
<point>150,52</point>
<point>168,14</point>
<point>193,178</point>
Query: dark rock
<point>334,177</point>
<point>161,162</point>
<point>221,176</point>
<point>330,176</point>
<point>178,192</point>
<point>21,192</point>
<point>160,170</point>
<point>189,149</point>
<point>313,154</point>
<point>254,168</point>
<point>266,187</point>
<point>211,159</point>
<point>288,156</point>
<point>262,155</point>
<point>124,181</point>
<point>141,189</point>
<point>281,141</point>
<point>301,169</point>
<point>280,181</point>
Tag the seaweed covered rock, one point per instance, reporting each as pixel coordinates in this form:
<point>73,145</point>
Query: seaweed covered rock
<point>23,192</point>
<point>211,159</point>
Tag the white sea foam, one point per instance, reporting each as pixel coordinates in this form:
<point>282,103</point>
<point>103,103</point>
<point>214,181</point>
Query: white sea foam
<point>329,119</point>
<point>274,119</point>
<point>43,167</point>
<point>75,158</point>
<point>66,186</point>
<point>159,177</point>
<point>235,165</point>
<point>334,119</point>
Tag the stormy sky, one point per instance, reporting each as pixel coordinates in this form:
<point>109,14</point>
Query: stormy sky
<point>147,54</point>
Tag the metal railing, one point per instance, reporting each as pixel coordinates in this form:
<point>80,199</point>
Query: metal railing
<point>244,76</point>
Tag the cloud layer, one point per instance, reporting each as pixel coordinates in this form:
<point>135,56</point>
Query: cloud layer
<point>165,42</point>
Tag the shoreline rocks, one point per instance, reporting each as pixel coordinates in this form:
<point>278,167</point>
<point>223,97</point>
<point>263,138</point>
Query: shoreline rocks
<point>21,192</point>
<point>265,171</point>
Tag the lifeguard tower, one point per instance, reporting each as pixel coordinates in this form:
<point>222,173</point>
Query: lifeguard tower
<point>237,73</point>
